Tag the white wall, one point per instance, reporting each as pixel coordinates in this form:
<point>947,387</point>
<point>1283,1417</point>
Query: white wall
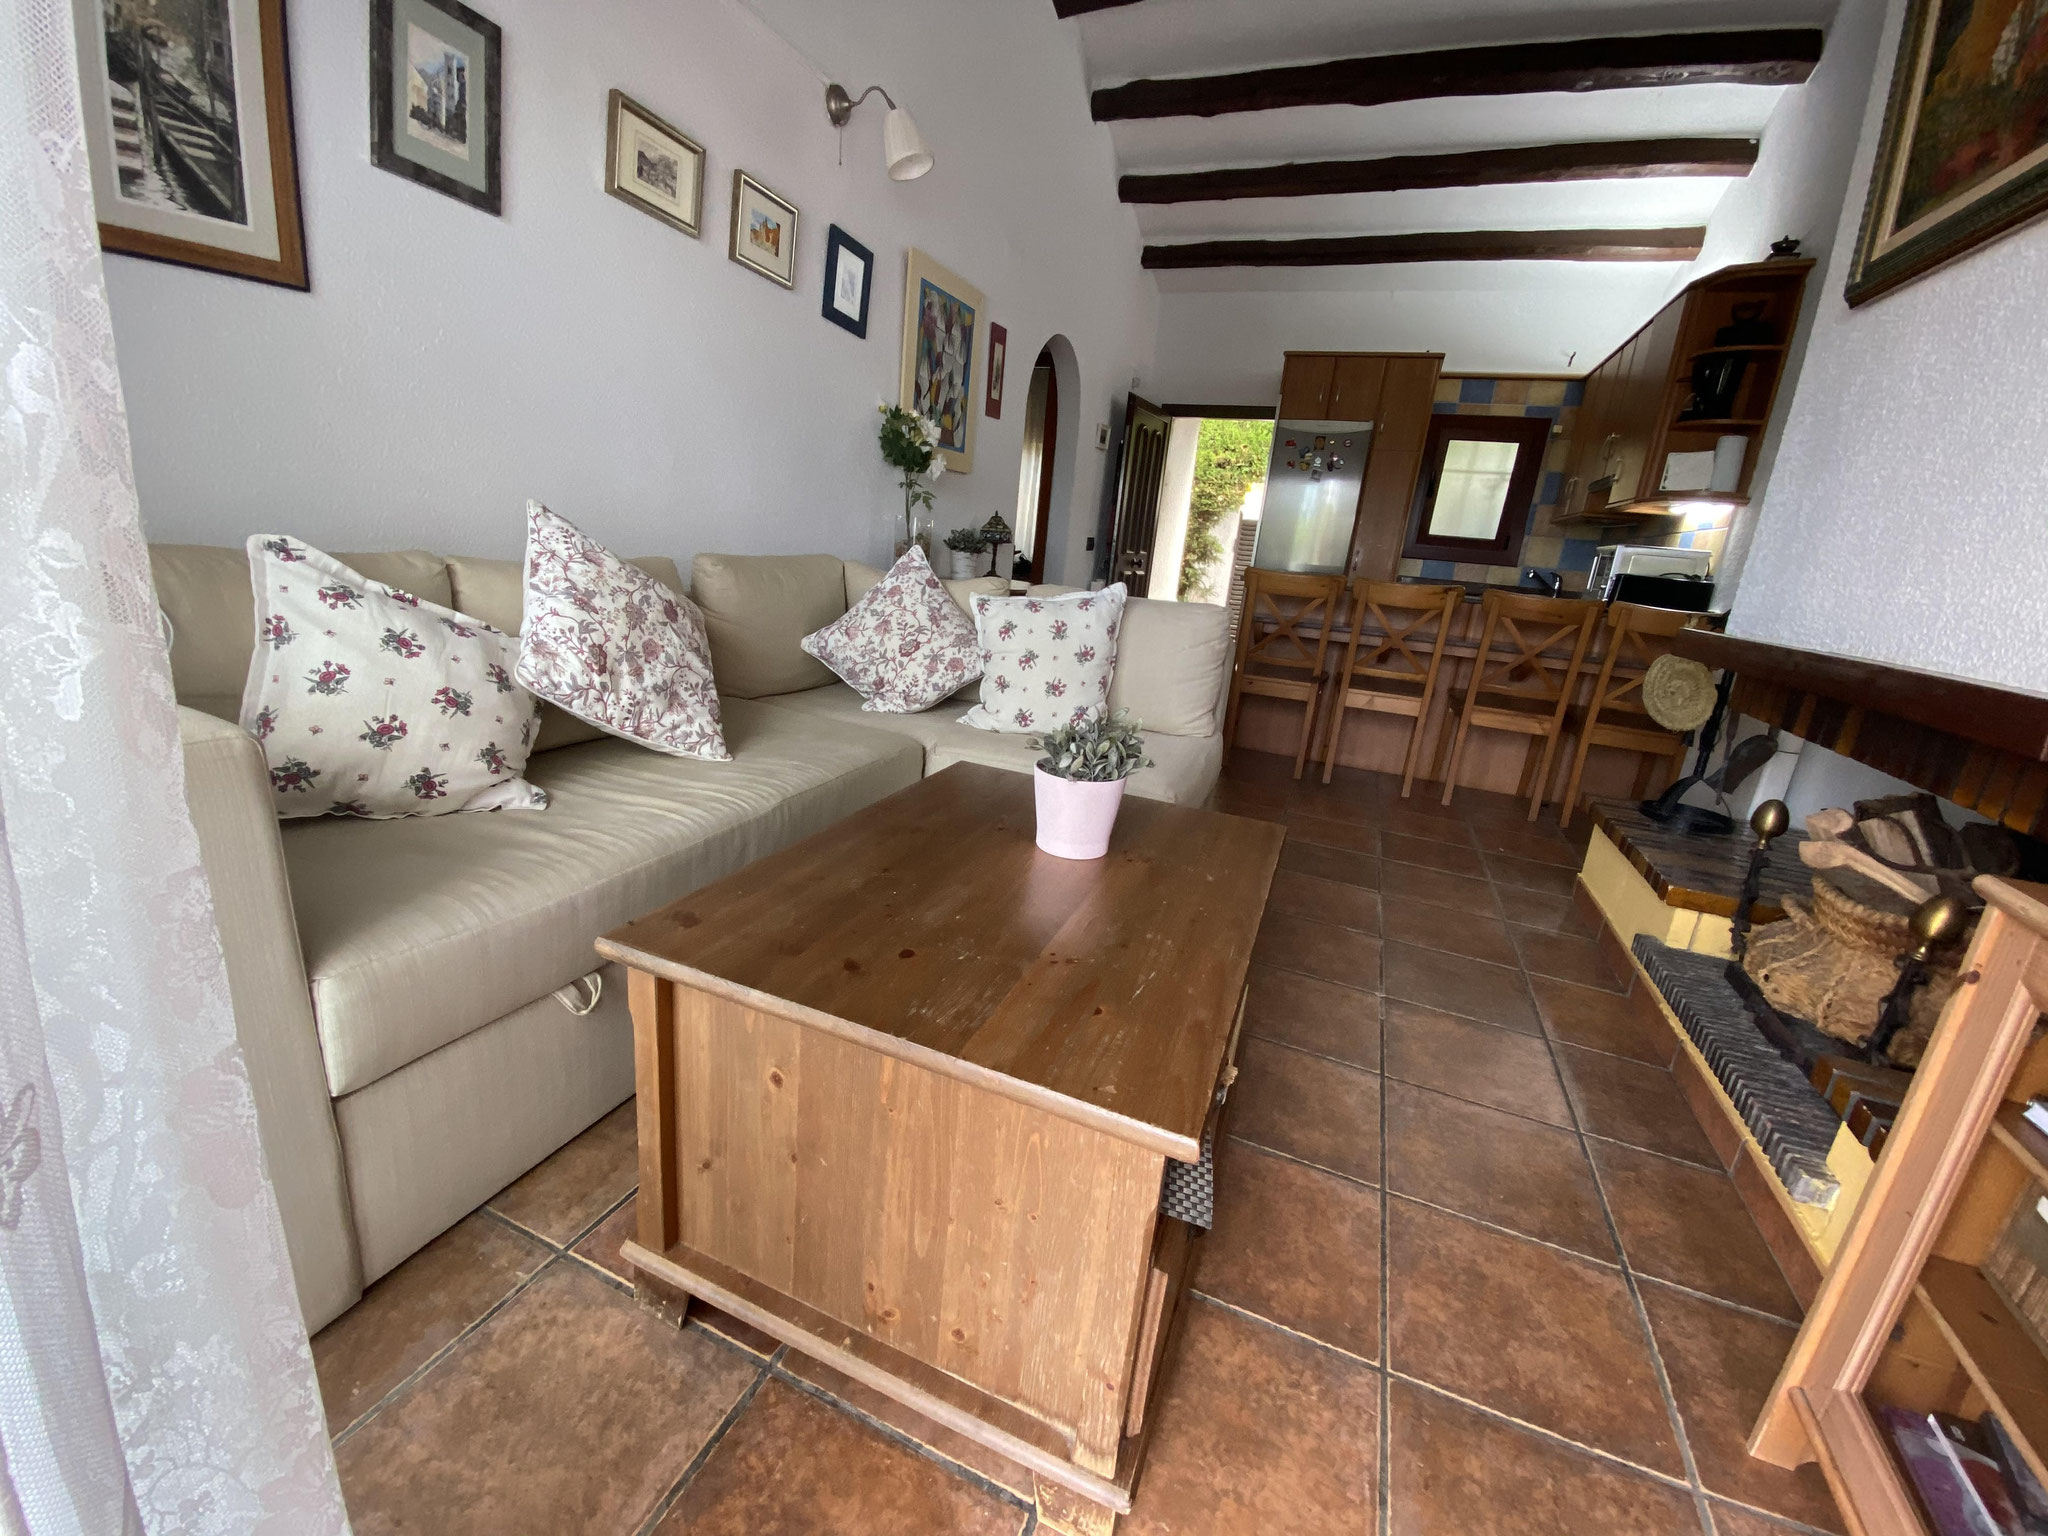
<point>1904,520</point>
<point>447,365</point>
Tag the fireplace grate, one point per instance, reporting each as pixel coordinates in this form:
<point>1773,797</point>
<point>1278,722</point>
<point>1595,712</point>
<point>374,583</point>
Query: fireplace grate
<point>1790,1120</point>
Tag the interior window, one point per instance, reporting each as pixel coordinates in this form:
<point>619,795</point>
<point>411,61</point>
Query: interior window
<point>1478,482</point>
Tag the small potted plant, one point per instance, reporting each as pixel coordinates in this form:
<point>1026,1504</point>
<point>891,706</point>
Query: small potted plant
<point>965,543</point>
<point>1080,781</point>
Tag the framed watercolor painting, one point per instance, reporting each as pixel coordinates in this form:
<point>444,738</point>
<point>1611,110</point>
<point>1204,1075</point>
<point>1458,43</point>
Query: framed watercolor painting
<point>763,231</point>
<point>653,165</point>
<point>849,281</point>
<point>434,98</point>
<point>188,127</point>
<point>1964,156</point>
<point>998,354</point>
<point>941,330</point>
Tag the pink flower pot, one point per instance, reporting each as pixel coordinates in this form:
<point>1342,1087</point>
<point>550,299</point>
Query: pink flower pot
<point>1075,818</point>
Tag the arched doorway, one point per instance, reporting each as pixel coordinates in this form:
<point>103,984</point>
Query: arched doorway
<point>1045,470</point>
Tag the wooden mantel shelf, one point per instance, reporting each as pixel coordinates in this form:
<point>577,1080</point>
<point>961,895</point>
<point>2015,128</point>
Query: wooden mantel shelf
<point>1977,712</point>
<point>1985,748</point>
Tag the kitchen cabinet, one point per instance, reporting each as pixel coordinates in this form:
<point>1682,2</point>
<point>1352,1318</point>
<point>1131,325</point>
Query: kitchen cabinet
<point>1641,405</point>
<point>1355,384</point>
<point>1305,383</point>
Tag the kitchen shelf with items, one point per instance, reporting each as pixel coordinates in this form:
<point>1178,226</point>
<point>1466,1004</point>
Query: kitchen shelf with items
<point>1920,1378</point>
<point>1676,414</point>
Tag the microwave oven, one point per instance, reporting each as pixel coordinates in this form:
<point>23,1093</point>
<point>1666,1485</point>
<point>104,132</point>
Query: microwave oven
<point>1653,575</point>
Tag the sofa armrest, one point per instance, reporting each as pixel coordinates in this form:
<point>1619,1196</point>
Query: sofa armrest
<point>227,790</point>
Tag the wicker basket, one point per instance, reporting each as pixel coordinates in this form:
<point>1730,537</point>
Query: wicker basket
<point>1833,961</point>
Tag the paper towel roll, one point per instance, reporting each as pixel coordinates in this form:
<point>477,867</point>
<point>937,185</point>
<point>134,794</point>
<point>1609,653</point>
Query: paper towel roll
<point>1729,453</point>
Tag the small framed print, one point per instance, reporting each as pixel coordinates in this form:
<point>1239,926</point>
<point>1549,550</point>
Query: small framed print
<point>998,350</point>
<point>188,129</point>
<point>434,98</point>
<point>763,230</point>
<point>849,281</point>
<point>652,165</point>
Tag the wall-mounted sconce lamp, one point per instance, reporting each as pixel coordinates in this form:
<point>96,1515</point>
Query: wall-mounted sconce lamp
<point>902,145</point>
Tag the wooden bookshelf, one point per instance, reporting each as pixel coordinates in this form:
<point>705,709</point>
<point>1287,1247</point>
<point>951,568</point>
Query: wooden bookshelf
<point>1906,1316</point>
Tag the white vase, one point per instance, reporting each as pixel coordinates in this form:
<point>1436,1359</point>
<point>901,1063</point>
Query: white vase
<point>1075,817</point>
<point>965,563</point>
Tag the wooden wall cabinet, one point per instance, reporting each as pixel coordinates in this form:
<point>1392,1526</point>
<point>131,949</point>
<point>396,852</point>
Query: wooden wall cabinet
<point>1396,393</point>
<point>1635,411</point>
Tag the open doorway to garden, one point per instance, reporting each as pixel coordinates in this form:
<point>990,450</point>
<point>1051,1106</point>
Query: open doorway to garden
<point>1209,502</point>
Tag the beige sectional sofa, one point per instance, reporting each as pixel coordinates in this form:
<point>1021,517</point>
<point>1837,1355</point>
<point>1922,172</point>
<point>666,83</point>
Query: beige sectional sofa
<point>396,982</point>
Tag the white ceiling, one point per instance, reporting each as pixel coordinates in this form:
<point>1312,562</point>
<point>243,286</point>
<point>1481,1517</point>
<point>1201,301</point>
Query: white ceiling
<point>1156,38</point>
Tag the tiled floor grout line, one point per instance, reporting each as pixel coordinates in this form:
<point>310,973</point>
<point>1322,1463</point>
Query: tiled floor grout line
<point>1260,1320</point>
<point>1635,1295</point>
<point>889,1431</point>
<point>405,1384</point>
<point>731,1417</point>
<point>1494,1226</point>
<point>1302,1162</point>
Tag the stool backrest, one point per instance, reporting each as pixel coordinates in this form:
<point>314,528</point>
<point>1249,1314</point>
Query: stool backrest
<point>1636,636</point>
<point>1287,620</point>
<point>1531,648</point>
<point>1413,623</point>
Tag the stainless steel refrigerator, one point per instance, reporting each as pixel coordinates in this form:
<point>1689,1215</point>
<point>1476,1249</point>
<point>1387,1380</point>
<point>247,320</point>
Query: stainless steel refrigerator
<point>1312,489</point>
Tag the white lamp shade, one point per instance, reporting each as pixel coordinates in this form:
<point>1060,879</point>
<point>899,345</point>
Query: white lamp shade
<point>903,147</point>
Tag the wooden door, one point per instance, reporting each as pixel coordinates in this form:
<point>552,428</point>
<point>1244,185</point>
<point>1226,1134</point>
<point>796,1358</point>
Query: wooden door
<point>1305,381</point>
<point>1407,401</point>
<point>1137,493</point>
<point>1356,379</point>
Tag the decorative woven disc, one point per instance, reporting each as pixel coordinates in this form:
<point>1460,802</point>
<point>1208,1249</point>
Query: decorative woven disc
<point>1678,693</point>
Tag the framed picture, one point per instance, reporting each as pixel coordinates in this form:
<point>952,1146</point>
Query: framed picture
<point>653,165</point>
<point>998,350</point>
<point>849,281</point>
<point>1964,156</point>
<point>434,97</point>
<point>188,126</point>
<point>763,230</point>
<point>941,320</point>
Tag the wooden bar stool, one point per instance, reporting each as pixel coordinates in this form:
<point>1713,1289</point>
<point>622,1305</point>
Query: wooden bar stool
<point>1394,672</point>
<point>1521,679</point>
<point>1277,656</point>
<point>1615,717</point>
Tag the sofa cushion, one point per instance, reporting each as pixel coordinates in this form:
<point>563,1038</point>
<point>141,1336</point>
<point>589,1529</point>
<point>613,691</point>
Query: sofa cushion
<point>905,646</point>
<point>417,932</point>
<point>378,703</point>
<point>613,646</point>
<point>204,590</point>
<point>1184,768</point>
<point>757,607</point>
<point>1173,666</point>
<point>495,591</point>
<point>1045,661</point>
<point>860,577</point>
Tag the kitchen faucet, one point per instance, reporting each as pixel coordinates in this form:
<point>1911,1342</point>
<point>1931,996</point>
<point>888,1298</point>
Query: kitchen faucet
<point>1549,581</point>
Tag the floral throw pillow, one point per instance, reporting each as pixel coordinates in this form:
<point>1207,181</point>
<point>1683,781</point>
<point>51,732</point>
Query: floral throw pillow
<point>613,646</point>
<point>370,702</point>
<point>905,645</point>
<point>1045,660</point>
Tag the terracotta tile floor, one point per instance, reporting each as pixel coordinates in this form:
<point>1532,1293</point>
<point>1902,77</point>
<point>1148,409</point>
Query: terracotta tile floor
<point>1475,1270</point>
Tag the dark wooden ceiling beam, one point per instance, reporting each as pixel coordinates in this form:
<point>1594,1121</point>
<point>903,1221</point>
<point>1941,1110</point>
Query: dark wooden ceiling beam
<point>1067,8</point>
<point>1769,56</point>
<point>1460,245</point>
<point>1474,168</point>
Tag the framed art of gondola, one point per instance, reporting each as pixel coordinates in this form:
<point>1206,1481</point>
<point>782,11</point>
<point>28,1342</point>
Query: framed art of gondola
<point>188,126</point>
<point>434,98</point>
<point>1964,156</point>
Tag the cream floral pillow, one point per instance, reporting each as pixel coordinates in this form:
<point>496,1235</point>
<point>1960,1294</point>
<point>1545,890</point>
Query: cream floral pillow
<point>613,646</point>
<point>905,645</point>
<point>1045,660</point>
<point>370,702</point>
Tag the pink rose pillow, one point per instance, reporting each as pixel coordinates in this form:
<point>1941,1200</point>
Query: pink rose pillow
<point>905,645</point>
<point>613,646</point>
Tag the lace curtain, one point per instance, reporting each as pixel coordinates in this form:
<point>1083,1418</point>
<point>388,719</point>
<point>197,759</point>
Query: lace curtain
<point>154,1374</point>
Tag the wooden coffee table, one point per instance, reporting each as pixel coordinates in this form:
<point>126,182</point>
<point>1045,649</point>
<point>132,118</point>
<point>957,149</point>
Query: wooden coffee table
<point>907,1090</point>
